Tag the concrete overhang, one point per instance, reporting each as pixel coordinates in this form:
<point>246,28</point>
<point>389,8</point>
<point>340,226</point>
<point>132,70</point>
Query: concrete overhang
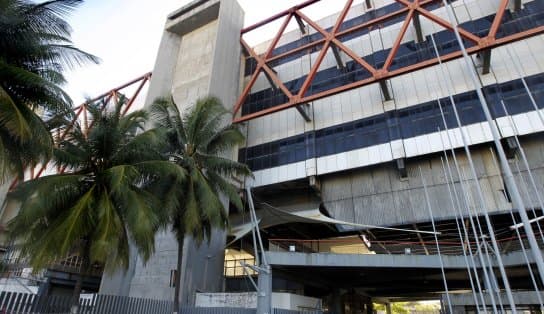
<point>380,260</point>
<point>192,16</point>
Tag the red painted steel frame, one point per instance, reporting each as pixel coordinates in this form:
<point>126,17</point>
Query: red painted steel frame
<point>81,112</point>
<point>333,38</point>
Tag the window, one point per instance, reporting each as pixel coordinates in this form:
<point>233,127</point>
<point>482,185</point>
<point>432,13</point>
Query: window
<point>405,123</point>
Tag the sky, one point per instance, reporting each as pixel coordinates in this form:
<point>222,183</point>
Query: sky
<point>125,35</point>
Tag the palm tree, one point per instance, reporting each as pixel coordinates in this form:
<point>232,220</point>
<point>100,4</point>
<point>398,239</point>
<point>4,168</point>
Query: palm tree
<point>196,143</point>
<point>107,197</point>
<point>35,49</point>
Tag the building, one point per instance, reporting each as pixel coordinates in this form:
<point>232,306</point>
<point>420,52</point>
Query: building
<point>377,178</point>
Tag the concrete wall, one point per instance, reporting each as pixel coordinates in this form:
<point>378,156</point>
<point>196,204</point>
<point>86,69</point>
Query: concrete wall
<point>286,301</point>
<point>378,196</point>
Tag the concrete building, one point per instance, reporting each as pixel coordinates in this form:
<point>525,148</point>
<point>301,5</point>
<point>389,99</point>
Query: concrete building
<point>363,187</point>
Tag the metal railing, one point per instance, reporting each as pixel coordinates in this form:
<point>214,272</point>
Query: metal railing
<point>23,303</point>
<point>355,245</point>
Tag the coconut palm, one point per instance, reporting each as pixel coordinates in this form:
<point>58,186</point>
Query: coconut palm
<point>197,142</point>
<point>106,198</point>
<point>35,49</point>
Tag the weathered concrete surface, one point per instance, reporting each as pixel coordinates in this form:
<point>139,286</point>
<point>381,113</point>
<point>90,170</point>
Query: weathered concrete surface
<point>377,196</point>
<point>197,58</point>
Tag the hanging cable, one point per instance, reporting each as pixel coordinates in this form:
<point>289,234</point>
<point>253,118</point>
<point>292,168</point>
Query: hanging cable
<point>519,72</point>
<point>456,206</point>
<point>436,240</point>
<point>464,192</point>
<point>507,172</point>
<point>524,251</point>
<point>471,163</point>
<point>526,164</point>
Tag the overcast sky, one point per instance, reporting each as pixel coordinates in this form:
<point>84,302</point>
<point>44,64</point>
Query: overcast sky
<point>125,34</point>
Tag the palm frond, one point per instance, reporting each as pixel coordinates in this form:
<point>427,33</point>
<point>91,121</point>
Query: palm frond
<point>224,139</point>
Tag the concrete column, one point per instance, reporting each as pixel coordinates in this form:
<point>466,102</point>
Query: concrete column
<point>336,306</point>
<point>388,308</point>
<point>264,297</point>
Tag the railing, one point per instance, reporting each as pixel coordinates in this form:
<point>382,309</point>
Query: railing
<point>357,245</point>
<point>15,267</point>
<point>22,303</point>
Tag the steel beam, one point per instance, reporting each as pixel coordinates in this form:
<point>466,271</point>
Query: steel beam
<point>391,74</point>
<point>81,112</point>
<point>333,38</point>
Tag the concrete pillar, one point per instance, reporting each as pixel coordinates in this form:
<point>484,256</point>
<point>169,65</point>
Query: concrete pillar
<point>336,306</point>
<point>199,56</point>
<point>388,308</point>
<point>264,297</point>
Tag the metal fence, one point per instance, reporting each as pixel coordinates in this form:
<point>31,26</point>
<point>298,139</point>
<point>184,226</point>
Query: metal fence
<point>226,310</point>
<point>23,303</point>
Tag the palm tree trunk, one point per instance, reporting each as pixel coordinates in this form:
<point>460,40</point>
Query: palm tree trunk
<point>177,278</point>
<point>85,267</point>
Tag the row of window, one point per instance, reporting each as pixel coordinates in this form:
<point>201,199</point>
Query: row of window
<point>398,124</point>
<point>409,53</point>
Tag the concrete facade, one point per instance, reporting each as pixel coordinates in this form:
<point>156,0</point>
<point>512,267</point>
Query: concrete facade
<point>378,196</point>
<point>362,185</point>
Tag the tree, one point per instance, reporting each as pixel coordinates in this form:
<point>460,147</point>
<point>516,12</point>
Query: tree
<point>196,143</point>
<point>35,49</point>
<point>106,199</point>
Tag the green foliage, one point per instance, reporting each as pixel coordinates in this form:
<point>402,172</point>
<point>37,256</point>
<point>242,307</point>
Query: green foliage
<point>106,199</point>
<point>35,49</point>
<point>196,141</point>
<point>410,307</point>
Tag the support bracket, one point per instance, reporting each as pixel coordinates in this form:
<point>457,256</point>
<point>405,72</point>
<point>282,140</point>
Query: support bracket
<point>401,167</point>
<point>338,57</point>
<point>510,146</point>
<point>315,184</point>
<point>301,26</point>
<point>304,111</point>
<point>385,90</point>
<point>272,84</point>
<point>485,59</point>
<point>417,25</point>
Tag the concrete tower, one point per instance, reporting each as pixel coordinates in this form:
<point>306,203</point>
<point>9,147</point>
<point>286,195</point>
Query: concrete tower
<point>198,56</point>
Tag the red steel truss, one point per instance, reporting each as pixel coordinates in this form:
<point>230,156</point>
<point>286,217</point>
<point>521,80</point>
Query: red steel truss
<point>412,9</point>
<point>107,99</point>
